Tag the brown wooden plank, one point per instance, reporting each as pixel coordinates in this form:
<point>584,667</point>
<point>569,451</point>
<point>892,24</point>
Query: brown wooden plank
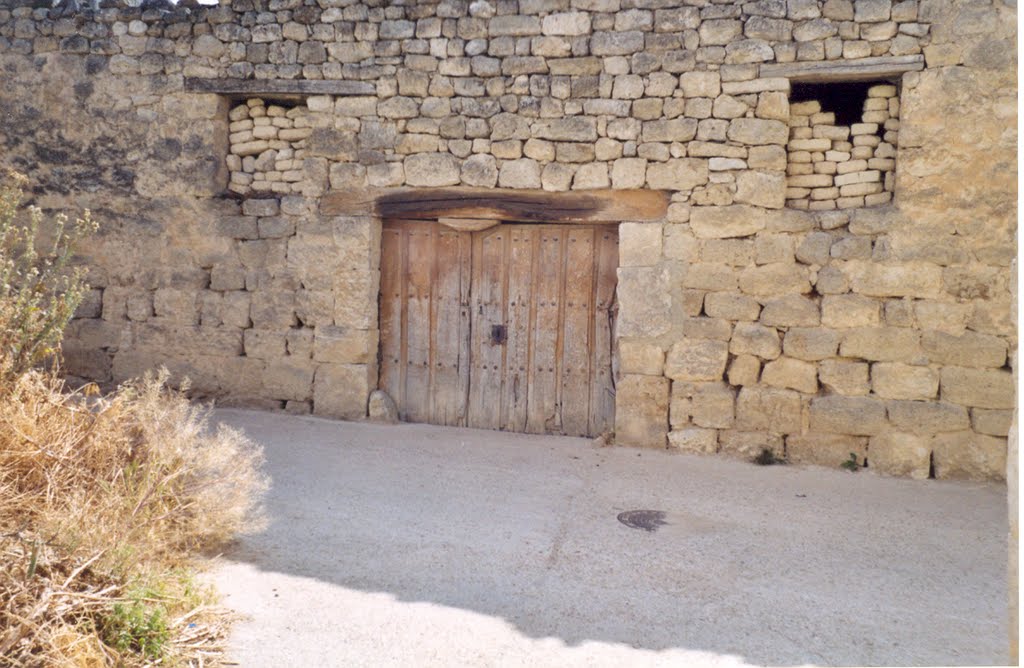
<point>521,267</point>
<point>602,382</point>
<point>447,404</point>
<point>489,255</point>
<point>465,361</point>
<point>419,281</point>
<point>286,88</point>
<point>860,69</point>
<point>532,206</point>
<point>543,414</point>
<point>391,358</point>
<point>577,329</point>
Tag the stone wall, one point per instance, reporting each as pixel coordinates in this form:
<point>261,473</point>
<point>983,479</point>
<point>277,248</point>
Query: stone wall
<point>744,323</point>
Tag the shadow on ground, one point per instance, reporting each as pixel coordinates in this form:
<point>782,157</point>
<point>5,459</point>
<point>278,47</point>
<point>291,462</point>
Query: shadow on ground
<point>764,565</point>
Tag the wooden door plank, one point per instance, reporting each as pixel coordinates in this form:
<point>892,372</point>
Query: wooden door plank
<point>419,281</point>
<point>391,358</point>
<point>602,382</point>
<point>465,360</point>
<point>577,329</point>
<point>543,415</point>
<point>521,267</point>
<point>447,405</point>
<point>488,311</point>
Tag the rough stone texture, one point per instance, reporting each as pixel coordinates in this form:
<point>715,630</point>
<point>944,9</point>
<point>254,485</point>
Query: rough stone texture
<point>902,454</point>
<point>382,408</point>
<point>641,411</point>
<point>215,259</point>
<point>825,449</point>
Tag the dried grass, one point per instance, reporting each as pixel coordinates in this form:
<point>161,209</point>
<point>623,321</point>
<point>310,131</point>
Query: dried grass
<point>103,502</point>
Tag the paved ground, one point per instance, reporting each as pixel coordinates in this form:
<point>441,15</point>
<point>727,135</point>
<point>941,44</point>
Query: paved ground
<point>423,546</point>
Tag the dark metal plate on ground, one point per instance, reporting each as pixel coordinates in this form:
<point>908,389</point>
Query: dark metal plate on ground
<point>648,520</point>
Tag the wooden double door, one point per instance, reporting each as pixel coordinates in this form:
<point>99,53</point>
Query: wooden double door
<point>507,328</point>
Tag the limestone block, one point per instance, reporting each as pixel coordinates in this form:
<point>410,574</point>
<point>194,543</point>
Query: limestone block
<point>861,416</point>
<point>522,173</point>
<point>382,408</point>
<point>566,23</point>
<point>641,411</point>
<point>694,440</point>
<point>344,345</point>
<point>969,349</point>
<point>766,189</point>
<point>991,422</point>
<point>726,221</point>
<point>573,128</point>
<point>341,390</point>
<point>265,344</point>
<point>355,298</point>
<point>480,170</point>
<point>731,306</point>
<point>744,370</point>
<point>948,317</point>
<point>790,311</point>
<point>909,279</point>
<point>883,344</point>
<point>677,129</point>
<point>589,176</point>
<point>641,358</point>
<point>288,379</point>
<point>777,278</point>
<point>824,449</point>
<point>844,377</point>
<point>433,169</point>
<point>697,359</point>
<point>556,177</point>
<point>767,157</point>
<point>966,455</point>
<point>755,339</point>
<point>629,173</point>
<point>756,131</point>
<point>700,84</point>
<point>712,405</point>
<point>707,328</point>
<point>710,276</point>
<point>845,311</point>
<point>640,244</point>
<point>768,409</point>
<point>790,373</point>
<point>299,341</point>
<point>749,444</point>
<point>273,308</point>
<point>677,174</point>
<point>719,31</point>
<point>901,381</point>
<point>981,388</point>
<point>645,301</point>
<point>176,305</point>
<point>901,454</point>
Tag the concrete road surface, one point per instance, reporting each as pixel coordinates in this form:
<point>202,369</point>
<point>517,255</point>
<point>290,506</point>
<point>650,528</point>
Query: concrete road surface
<point>414,545</point>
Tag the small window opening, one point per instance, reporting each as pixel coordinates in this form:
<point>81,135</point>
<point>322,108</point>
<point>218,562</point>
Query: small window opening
<point>842,145</point>
<point>268,143</point>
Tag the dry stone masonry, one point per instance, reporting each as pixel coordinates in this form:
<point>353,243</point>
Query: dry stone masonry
<point>809,290</point>
<point>840,167</point>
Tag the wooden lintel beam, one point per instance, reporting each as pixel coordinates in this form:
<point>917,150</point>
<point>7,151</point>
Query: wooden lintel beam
<point>530,206</point>
<point>469,224</point>
<point>860,69</point>
<point>281,87</point>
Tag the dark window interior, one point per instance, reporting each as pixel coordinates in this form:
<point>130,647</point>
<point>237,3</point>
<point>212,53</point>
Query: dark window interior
<point>846,100</point>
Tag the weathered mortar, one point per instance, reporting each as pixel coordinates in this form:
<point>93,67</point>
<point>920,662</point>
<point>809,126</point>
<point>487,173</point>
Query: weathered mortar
<point>882,331</point>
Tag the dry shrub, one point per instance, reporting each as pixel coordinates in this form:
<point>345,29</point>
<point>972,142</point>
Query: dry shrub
<point>102,502</point>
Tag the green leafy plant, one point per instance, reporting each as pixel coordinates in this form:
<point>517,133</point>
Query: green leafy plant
<point>138,624</point>
<point>851,464</point>
<point>38,292</point>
